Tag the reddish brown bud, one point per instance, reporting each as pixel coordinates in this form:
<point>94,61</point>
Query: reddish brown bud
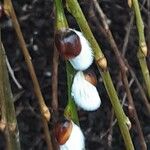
<point>63,130</point>
<point>67,43</point>
<point>90,77</point>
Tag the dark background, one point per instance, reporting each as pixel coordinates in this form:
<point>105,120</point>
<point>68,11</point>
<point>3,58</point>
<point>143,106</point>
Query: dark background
<point>36,18</point>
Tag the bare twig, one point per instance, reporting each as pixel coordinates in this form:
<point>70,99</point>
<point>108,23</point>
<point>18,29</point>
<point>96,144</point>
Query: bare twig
<point>43,108</point>
<point>12,74</point>
<point>8,120</point>
<point>144,98</point>
<point>55,81</point>
<point>54,102</point>
<point>126,39</point>
<point>10,11</point>
<point>142,47</point>
<point>123,69</point>
<point>113,122</point>
<point>110,133</point>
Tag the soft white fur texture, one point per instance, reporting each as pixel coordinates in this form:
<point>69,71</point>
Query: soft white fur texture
<point>75,141</point>
<point>85,58</point>
<point>84,93</point>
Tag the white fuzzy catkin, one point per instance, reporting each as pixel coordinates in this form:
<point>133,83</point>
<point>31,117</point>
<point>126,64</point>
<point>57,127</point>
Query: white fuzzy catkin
<point>84,93</point>
<point>85,58</point>
<point>75,141</point>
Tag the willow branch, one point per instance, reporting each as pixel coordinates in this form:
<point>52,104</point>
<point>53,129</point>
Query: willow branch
<point>55,81</point>
<point>13,75</point>
<point>102,30</point>
<point>10,11</point>
<point>76,11</point>
<point>43,108</point>
<point>60,23</point>
<point>142,52</point>
<point>131,106</point>
<point>8,111</point>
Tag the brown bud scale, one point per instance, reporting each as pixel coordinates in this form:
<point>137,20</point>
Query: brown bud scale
<point>90,77</point>
<point>67,43</point>
<point>63,131</point>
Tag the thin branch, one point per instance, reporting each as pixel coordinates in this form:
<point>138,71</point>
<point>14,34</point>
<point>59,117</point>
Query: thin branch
<point>55,81</point>
<point>123,68</point>
<point>113,122</point>
<point>43,108</point>
<point>60,23</point>
<point>10,11</point>
<point>12,74</point>
<point>143,95</point>
<point>126,39</point>
<point>144,98</point>
<point>54,102</point>
<point>75,10</point>
<point>8,121</point>
<point>142,52</point>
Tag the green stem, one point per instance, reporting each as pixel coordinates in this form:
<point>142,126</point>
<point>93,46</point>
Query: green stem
<point>142,52</point>
<point>121,117</point>
<point>9,9</point>
<point>60,19</point>
<point>11,132</point>
<point>74,8</point>
<point>139,21</point>
<point>60,23</point>
<point>3,119</point>
<point>144,69</point>
<point>71,110</point>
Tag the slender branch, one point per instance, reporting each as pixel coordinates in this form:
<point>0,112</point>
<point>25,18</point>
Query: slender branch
<point>60,23</point>
<point>10,11</point>
<point>3,119</point>
<point>126,39</point>
<point>71,110</point>
<point>131,106</point>
<point>144,98</point>
<point>110,131</point>
<point>55,80</point>
<point>8,110</point>
<point>76,11</point>
<point>54,102</point>
<point>43,108</point>
<point>112,115</point>
<point>12,74</point>
<point>142,52</point>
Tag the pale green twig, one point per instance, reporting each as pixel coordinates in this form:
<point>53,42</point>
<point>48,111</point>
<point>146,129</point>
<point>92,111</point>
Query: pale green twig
<point>60,23</point>
<point>8,121</point>
<point>9,10</point>
<point>76,11</point>
<point>142,52</point>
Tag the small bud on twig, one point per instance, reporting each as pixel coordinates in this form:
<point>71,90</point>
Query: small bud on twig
<point>69,136</point>
<point>67,43</point>
<point>84,93</point>
<point>143,48</point>
<point>90,77</point>
<point>102,62</point>
<point>73,46</point>
<point>45,112</point>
